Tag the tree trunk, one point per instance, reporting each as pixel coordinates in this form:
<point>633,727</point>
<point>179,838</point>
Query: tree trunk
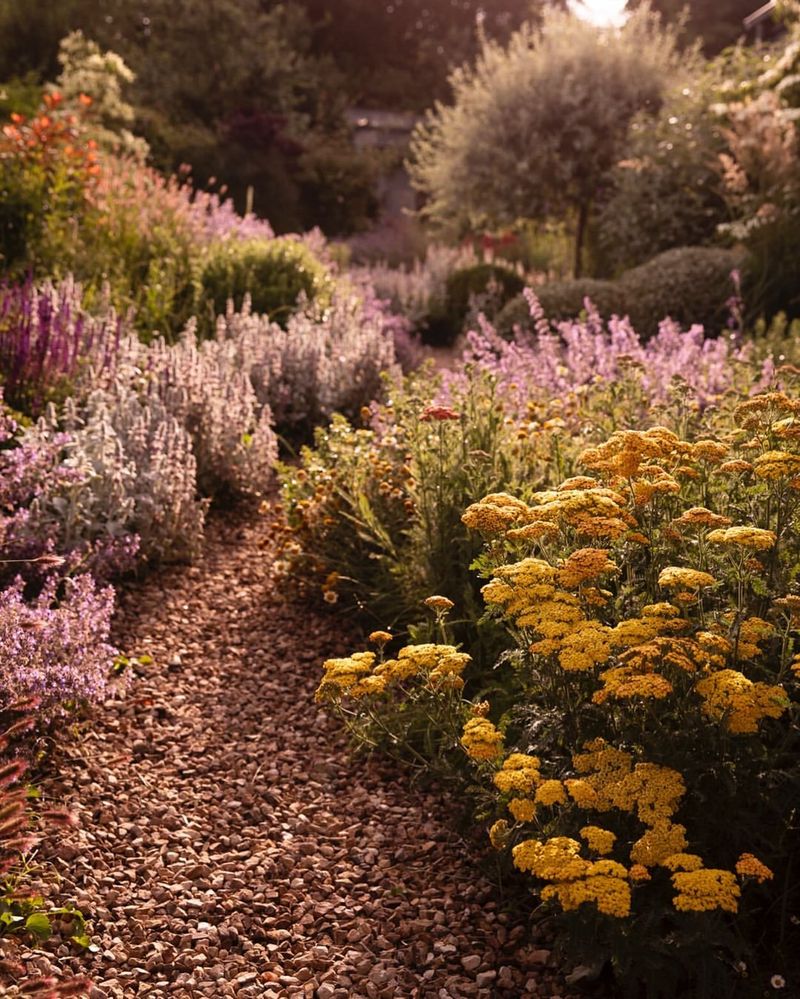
<point>580,235</point>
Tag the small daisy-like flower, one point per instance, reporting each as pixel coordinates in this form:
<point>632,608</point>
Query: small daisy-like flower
<point>778,982</point>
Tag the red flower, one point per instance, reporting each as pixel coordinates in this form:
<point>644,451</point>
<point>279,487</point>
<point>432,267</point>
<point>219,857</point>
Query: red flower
<point>439,413</point>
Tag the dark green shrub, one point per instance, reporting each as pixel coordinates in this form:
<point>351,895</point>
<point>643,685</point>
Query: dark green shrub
<point>490,285</point>
<point>562,300</point>
<point>274,272</point>
<point>691,284</point>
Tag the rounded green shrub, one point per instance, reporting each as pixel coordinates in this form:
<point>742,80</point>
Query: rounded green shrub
<point>491,282</point>
<point>273,272</point>
<point>691,284</point>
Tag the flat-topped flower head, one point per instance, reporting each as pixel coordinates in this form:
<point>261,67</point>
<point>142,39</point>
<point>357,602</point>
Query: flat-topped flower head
<point>705,890</point>
<point>744,537</point>
<point>676,577</point>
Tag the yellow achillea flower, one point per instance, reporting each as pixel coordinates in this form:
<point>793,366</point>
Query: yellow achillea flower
<point>481,740</point>
<point>728,695</point>
<point>662,609</point>
<point>550,792</point>
<point>699,516</point>
<point>748,866</point>
<point>556,859</point>
<point>624,683</point>
<point>752,631</point>
<point>498,834</point>
<point>578,482</point>
<point>583,565</point>
<point>795,667</point>
<point>680,577</point>
<point>599,840</point>
<point>434,661</point>
<point>587,646</point>
<point>519,773</point>
<point>744,537</point>
<point>342,675</point>
<point>737,466</point>
<point>705,890</point>
<point>639,872</point>
<point>774,465</point>
<point>583,793</point>
<point>679,653</point>
<point>708,450</point>
<point>523,809</point>
<point>380,637</point>
<point>605,885</point>
<point>715,648</point>
<point>495,513</point>
<point>652,790</point>
<point>659,842</point>
<point>682,862</point>
<point>438,603</point>
<point>534,531</point>
<point>626,451</point>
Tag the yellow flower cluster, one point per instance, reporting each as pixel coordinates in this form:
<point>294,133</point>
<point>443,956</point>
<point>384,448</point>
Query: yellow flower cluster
<point>498,834</point>
<point>495,514</point>
<point>699,516</point>
<point>752,631</point>
<point>729,696</point>
<point>748,866</point>
<point>583,565</point>
<point>599,840</point>
<point>551,792</point>
<point>774,465</point>
<point>439,665</point>
<point>706,889</point>
<point>356,676</point>
<point>519,774</point>
<point>744,537</point>
<point>523,809</point>
<point>676,577</point>
<point>682,862</point>
<point>345,675</point>
<point>623,454</point>
<point>481,740</point>
<point>575,880</point>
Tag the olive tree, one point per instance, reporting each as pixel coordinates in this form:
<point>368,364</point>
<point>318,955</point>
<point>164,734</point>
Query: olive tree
<point>535,127</point>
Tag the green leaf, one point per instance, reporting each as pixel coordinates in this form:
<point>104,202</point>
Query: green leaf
<point>39,925</point>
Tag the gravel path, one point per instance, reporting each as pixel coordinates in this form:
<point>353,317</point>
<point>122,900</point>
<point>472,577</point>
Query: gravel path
<point>229,846</point>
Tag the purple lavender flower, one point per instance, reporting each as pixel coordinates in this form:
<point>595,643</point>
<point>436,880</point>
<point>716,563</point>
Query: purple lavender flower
<point>56,651</point>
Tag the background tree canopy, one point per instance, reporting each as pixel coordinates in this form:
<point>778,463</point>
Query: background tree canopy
<point>535,128</point>
<point>252,92</point>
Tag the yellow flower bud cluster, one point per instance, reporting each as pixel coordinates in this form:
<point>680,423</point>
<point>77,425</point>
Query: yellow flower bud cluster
<point>728,696</point>
<point>481,740</point>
